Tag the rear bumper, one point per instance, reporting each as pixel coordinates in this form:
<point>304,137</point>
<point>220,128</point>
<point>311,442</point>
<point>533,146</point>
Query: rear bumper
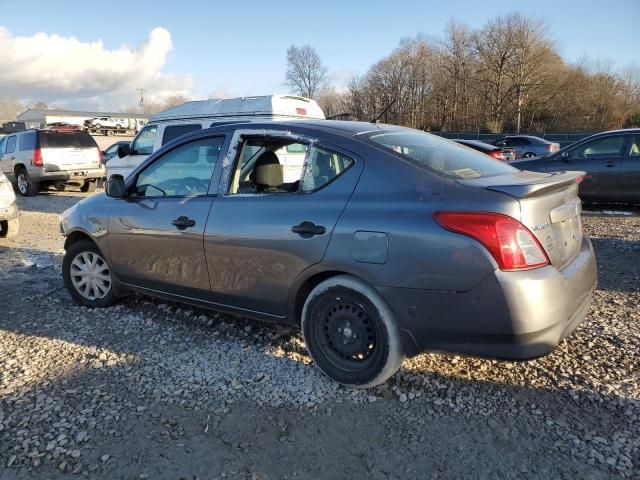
<point>515,315</point>
<point>73,175</point>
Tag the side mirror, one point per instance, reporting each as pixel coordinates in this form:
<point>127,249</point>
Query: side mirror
<point>115,187</point>
<point>124,150</point>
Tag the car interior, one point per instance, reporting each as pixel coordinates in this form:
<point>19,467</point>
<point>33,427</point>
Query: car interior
<point>278,166</point>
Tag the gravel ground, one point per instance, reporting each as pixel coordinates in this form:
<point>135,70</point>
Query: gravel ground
<point>151,389</point>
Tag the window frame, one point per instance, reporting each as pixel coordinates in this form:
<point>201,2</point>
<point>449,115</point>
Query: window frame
<point>15,144</point>
<point>178,125</point>
<point>133,142</point>
<point>244,137</point>
<point>621,154</point>
<point>213,181</point>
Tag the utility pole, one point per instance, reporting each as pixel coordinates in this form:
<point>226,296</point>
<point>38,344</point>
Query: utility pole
<point>141,92</point>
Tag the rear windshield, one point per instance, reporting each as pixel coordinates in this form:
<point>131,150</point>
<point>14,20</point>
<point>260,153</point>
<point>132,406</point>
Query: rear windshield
<point>441,156</point>
<point>66,140</point>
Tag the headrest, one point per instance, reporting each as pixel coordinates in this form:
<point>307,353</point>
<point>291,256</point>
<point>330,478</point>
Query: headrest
<point>268,171</point>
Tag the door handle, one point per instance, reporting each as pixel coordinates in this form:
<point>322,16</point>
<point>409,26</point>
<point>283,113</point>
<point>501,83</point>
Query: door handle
<point>183,222</point>
<point>308,228</point>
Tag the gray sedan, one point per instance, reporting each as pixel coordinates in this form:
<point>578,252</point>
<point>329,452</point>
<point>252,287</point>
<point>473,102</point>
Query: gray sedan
<point>527,146</point>
<point>380,242</point>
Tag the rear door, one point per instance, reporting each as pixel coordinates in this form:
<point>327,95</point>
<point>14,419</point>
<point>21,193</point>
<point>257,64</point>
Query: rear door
<point>601,159</point>
<point>68,150</point>
<point>629,184</point>
<point>155,235</point>
<point>257,243</point>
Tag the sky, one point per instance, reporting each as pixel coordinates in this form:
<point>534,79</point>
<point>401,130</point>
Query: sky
<point>80,55</point>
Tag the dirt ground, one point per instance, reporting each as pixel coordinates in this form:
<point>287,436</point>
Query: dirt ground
<point>150,389</point>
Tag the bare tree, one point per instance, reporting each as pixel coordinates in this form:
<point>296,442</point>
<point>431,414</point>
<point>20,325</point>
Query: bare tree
<point>305,71</point>
<point>10,108</point>
<point>175,100</point>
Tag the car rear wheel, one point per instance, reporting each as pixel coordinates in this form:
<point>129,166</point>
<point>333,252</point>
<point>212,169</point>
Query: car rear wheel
<point>9,228</point>
<point>351,333</point>
<point>89,186</point>
<point>26,186</point>
<point>529,155</point>
<point>87,276</point>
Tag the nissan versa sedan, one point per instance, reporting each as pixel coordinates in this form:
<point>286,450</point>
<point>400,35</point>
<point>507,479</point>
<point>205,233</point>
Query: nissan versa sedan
<point>389,242</point>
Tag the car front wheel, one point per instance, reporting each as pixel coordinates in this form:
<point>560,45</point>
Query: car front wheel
<point>89,186</point>
<point>26,186</point>
<point>87,276</point>
<point>351,333</point>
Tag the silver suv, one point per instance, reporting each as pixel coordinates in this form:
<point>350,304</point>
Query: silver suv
<point>38,158</point>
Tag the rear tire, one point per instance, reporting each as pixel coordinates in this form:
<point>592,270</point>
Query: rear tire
<point>26,186</point>
<point>529,155</point>
<point>351,333</point>
<point>87,276</point>
<point>9,228</point>
<point>89,186</point>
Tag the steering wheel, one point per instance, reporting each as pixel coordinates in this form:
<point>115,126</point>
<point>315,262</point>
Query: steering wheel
<point>191,185</point>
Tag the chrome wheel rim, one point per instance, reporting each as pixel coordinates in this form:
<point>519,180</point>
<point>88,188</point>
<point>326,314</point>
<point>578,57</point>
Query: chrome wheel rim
<point>23,183</point>
<point>90,275</point>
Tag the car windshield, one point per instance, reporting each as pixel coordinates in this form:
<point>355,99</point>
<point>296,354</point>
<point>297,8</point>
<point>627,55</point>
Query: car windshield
<point>443,157</point>
<point>66,140</point>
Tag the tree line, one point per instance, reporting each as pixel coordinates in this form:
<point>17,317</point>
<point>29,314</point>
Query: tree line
<point>504,77</point>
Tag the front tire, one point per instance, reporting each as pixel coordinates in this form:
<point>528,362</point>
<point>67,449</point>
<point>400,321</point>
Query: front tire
<point>9,228</point>
<point>87,276</point>
<point>89,186</point>
<point>351,333</point>
<point>26,186</point>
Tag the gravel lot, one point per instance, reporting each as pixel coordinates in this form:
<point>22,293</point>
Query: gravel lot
<point>151,389</point>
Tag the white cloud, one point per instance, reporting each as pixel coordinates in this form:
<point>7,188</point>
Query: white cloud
<point>67,72</point>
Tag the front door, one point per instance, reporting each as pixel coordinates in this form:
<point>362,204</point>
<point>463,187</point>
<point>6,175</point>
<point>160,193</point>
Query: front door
<point>156,234</point>
<point>265,231</point>
<point>629,187</point>
<point>602,159</point>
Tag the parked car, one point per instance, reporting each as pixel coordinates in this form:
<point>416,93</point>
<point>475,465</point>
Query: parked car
<point>112,151</point>
<point>527,146</point>
<point>611,161</point>
<point>64,126</point>
<point>108,122</point>
<point>499,153</point>
<point>38,158</point>
<point>191,116</point>
<point>9,223</point>
<point>391,241</point>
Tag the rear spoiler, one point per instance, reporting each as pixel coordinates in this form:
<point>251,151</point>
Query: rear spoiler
<point>528,184</point>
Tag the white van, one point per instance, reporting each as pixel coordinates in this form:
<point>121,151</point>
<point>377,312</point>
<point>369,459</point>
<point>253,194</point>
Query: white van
<point>191,116</point>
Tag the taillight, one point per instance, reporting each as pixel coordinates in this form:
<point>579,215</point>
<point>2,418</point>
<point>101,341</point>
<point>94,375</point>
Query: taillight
<point>100,159</point>
<point>301,111</point>
<point>511,244</point>
<point>37,158</point>
<point>497,154</point>
<point>553,147</point>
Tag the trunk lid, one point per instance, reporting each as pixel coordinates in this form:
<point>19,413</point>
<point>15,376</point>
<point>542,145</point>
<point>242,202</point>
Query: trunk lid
<point>549,207</point>
<point>69,150</point>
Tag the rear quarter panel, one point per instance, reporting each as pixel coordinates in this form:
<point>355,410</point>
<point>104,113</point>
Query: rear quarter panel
<point>398,199</point>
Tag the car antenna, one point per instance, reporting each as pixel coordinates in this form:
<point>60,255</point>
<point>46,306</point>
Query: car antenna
<point>375,120</point>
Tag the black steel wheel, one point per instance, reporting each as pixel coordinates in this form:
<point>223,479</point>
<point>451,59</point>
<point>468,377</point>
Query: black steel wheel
<point>350,332</point>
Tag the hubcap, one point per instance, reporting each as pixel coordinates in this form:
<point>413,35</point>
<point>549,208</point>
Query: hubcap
<point>23,183</point>
<point>90,275</point>
<point>349,334</point>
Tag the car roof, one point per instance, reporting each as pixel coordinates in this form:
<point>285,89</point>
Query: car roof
<point>337,127</point>
<point>479,143</point>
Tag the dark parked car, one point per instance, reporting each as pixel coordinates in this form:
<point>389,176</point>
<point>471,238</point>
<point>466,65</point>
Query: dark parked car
<point>527,146</point>
<point>499,153</point>
<point>611,161</point>
<point>390,242</point>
